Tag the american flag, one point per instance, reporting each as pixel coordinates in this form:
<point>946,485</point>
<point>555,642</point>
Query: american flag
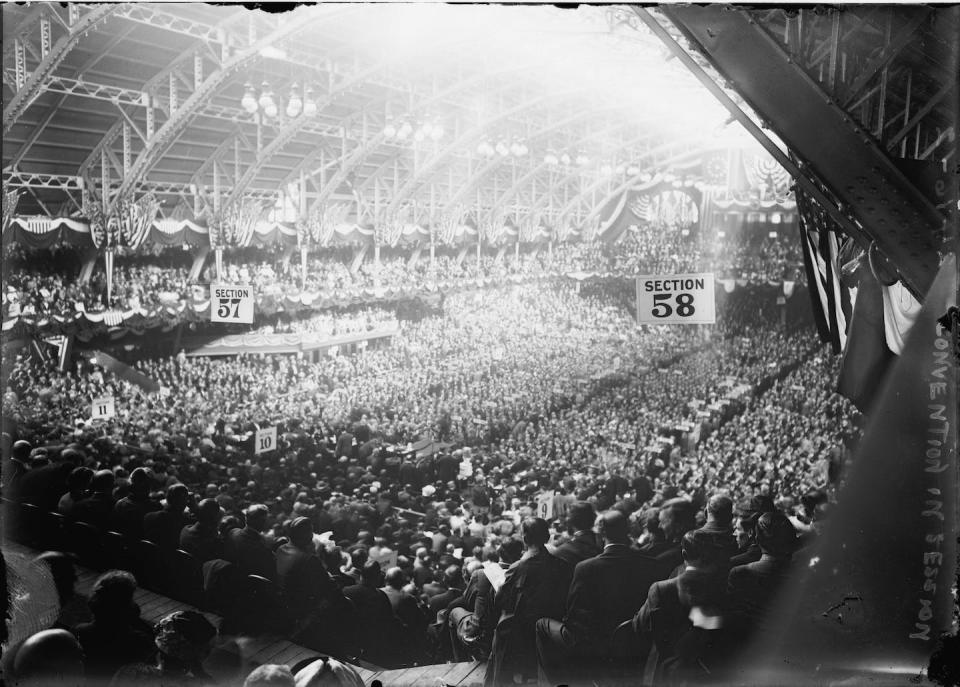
<point>820,240</point>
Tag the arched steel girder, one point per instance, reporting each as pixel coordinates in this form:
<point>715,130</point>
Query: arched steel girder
<point>27,93</point>
<point>349,162</point>
<point>23,29</point>
<point>467,139</point>
<point>161,141</point>
<point>180,118</point>
<point>573,202</point>
<point>492,165</point>
<point>577,198</point>
<point>531,174</point>
<point>292,128</point>
<point>55,107</point>
<point>680,157</point>
<point>155,83</point>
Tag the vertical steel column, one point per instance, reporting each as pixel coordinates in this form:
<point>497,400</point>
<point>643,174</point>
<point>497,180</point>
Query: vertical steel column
<point>126,148</point>
<point>20,63</point>
<point>151,115</point>
<point>45,41</point>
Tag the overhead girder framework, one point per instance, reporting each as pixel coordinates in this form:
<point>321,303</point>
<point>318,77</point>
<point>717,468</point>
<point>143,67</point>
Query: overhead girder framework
<point>893,68</point>
<point>877,201</point>
<point>51,57</point>
<point>174,125</point>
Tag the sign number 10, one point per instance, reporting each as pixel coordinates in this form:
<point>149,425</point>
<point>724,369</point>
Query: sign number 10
<point>662,307</point>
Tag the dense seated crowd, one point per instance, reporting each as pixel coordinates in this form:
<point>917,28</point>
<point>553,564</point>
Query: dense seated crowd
<point>398,519</point>
<point>353,321</point>
<point>147,279</point>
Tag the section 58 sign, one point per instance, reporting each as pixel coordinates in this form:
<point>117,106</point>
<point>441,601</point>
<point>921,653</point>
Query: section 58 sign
<point>676,299</point>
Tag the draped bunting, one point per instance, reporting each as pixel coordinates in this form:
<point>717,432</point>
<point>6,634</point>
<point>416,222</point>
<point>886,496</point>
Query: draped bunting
<point>45,232</point>
<point>96,218</point>
<point>240,220</point>
<point>10,199</point>
<point>131,220</point>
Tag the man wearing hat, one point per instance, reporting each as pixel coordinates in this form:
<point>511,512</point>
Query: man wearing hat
<point>247,548</point>
<point>301,576</point>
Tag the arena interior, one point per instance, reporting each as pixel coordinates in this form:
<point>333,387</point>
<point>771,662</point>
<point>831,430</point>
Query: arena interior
<point>426,344</point>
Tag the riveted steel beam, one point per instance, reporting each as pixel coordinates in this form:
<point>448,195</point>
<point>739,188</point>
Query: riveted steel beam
<point>886,54</point>
<point>355,157</point>
<point>472,183</point>
<point>466,140</point>
<point>167,134</point>
<point>876,202</point>
<point>31,88</point>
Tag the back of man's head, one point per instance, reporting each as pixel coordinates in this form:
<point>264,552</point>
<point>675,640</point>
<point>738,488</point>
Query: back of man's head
<point>535,532</point>
<point>177,497</point>
<point>21,450</point>
<point>776,534</point>
<point>102,482</point>
<point>451,576</point>
<point>208,512</point>
<point>50,657</point>
<point>720,510</point>
<point>581,516</point>
<point>301,532</point>
<point>140,482</point>
<point>614,527</point>
<point>395,578</point>
<point>257,517</point>
<point>699,549</point>
<point>371,573</point>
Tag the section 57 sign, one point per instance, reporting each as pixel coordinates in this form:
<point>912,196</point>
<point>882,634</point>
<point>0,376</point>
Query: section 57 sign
<point>231,303</point>
<point>676,299</point>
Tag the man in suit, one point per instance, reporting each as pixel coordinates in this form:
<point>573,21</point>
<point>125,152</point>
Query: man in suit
<point>663,619</point>
<point>128,513</point>
<point>583,545</point>
<point>407,610</point>
<point>374,616</point>
<point>97,509</point>
<point>606,591</point>
<point>534,587</point>
<point>754,586</point>
<point>318,610</point>
<point>247,548</point>
<point>163,527</point>
<point>719,525</point>
<point>746,530</point>
<point>202,538</point>
<point>677,517</point>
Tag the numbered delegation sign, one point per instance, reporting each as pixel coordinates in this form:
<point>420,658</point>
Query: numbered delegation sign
<point>265,440</point>
<point>231,303</point>
<point>103,408</point>
<point>676,299</point>
<point>545,506</point>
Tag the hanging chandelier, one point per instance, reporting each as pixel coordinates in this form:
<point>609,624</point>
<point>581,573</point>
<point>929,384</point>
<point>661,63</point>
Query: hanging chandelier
<point>269,104</point>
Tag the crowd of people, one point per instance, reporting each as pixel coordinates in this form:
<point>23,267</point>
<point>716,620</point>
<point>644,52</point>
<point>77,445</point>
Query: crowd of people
<point>48,284</point>
<point>514,480</point>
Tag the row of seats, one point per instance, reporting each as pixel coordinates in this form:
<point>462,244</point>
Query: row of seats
<point>250,604</point>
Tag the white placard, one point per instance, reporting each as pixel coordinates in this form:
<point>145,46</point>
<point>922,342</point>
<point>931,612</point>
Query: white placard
<point>231,303</point>
<point>103,408</point>
<point>676,299</point>
<point>545,506</point>
<point>265,440</point>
